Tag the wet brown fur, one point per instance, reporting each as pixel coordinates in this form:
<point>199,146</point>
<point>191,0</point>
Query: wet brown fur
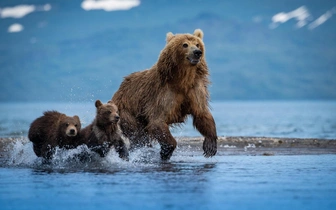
<point>150,101</point>
<point>54,129</point>
<point>104,132</point>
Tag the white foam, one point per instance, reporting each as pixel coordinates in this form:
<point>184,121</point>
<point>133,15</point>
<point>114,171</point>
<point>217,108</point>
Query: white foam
<point>228,146</point>
<point>20,153</point>
<point>249,146</point>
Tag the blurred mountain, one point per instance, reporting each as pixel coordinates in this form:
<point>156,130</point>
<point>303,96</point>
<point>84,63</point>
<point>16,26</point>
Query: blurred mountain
<point>70,54</point>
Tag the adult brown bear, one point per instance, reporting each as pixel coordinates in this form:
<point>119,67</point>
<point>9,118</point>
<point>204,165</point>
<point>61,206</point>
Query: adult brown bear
<point>150,101</point>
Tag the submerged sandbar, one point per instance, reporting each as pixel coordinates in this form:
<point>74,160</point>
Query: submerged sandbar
<point>238,145</point>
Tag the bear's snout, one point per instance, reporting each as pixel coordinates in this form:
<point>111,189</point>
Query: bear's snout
<point>116,118</point>
<point>197,53</point>
<point>194,56</point>
<point>71,131</point>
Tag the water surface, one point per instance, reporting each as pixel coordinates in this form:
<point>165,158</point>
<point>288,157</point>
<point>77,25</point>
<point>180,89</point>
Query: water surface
<point>296,119</point>
<point>188,180</point>
<point>224,182</point>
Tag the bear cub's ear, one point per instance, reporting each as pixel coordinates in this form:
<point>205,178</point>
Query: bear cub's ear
<point>199,33</point>
<point>76,118</point>
<point>169,36</point>
<point>98,103</point>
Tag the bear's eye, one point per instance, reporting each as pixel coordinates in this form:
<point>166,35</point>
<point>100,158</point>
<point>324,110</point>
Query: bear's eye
<point>185,45</point>
<point>75,125</point>
<point>197,45</point>
<point>108,112</point>
<point>67,124</point>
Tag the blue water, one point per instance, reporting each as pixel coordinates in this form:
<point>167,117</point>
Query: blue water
<point>299,119</point>
<point>188,181</point>
<point>224,182</point>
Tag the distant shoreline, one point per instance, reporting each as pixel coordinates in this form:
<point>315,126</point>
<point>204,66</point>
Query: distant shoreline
<point>238,145</point>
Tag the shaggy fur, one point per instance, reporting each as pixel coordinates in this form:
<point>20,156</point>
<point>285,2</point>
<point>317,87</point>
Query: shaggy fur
<point>104,132</point>
<point>150,101</point>
<point>54,129</point>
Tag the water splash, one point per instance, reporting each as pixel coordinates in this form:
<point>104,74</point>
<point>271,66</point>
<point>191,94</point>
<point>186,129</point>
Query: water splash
<point>19,153</point>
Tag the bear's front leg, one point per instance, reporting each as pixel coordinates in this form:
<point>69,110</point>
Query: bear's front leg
<point>121,148</point>
<point>205,124</point>
<point>37,149</point>
<point>161,133</point>
<point>48,150</point>
<point>209,147</point>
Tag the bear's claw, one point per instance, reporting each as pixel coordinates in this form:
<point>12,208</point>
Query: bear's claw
<point>209,147</point>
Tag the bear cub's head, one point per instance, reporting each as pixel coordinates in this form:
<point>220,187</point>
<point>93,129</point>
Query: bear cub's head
<point>189,46</point>
<point>107,113</point>
<point>70,125</point>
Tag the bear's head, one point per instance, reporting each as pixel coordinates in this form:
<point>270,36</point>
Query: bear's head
<point>185,48</point>
<point>107,113</point>
<point>70,125</point>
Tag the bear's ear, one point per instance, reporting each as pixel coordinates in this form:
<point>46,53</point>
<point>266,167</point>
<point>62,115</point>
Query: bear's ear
<point>199,33</point>
<point>98,103</point>
<point>169,36</point>
<point>76,118</point>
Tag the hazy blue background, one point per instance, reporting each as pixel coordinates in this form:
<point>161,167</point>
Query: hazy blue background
<point>67,53</point>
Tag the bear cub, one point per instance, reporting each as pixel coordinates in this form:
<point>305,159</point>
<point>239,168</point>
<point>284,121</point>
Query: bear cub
<point>54,129</point>
<point>104,132</point>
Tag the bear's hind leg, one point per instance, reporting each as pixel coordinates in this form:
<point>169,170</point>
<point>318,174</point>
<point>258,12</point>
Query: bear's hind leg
<point>162,134</point>
<point>134,130</point>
